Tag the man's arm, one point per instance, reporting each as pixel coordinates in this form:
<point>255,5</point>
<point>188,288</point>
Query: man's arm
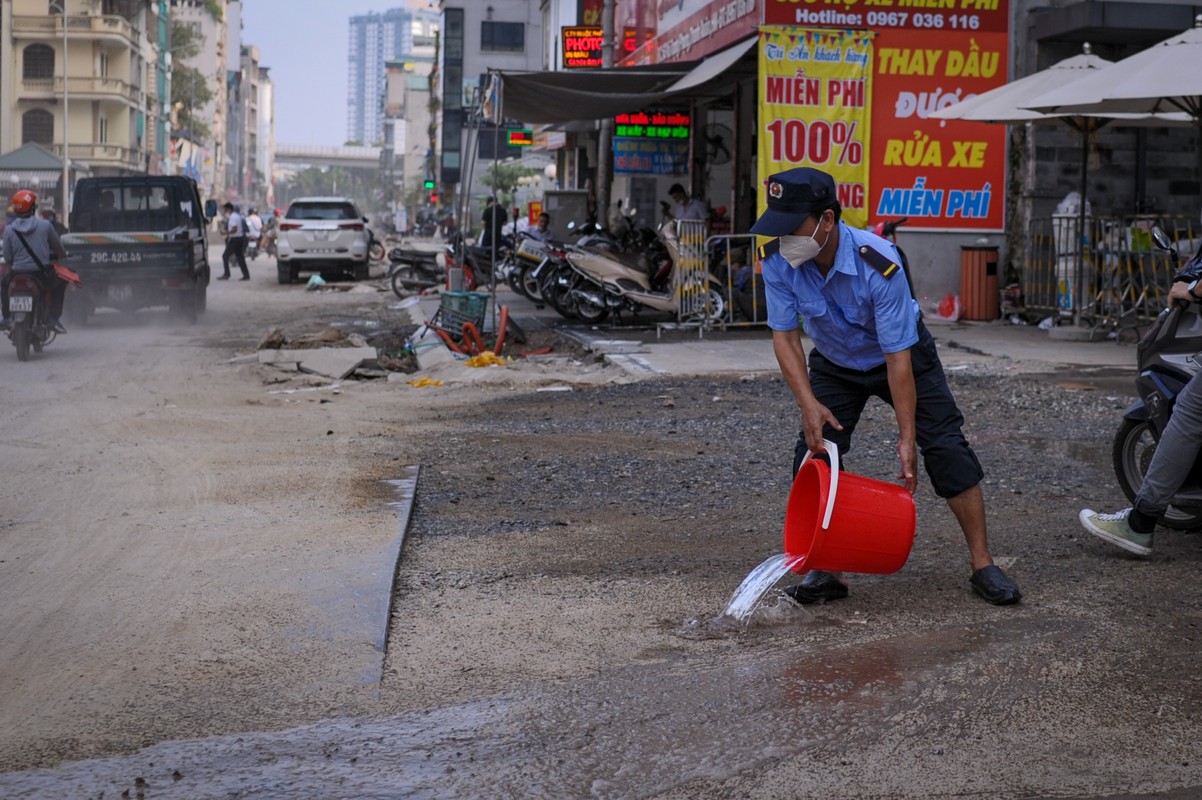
<point>900,374</point>
<point>56,245</point>
<point>791,358</point>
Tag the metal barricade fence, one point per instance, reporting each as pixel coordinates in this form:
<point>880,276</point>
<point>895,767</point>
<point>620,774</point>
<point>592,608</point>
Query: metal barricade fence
<point>690,278</point>
<point>1125,276</point>
<point>734,264</point>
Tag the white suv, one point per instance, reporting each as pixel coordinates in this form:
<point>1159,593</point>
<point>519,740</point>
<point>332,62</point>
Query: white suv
<point>322,234</point>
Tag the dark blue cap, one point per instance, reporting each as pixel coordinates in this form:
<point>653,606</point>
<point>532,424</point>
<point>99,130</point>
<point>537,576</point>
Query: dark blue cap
<point>792,196</point>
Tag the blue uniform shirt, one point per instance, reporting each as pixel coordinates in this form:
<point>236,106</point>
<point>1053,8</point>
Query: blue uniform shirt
<point>854,315</point>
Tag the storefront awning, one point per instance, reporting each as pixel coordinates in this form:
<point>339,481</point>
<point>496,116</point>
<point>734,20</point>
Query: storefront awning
<point>571,95</point>
<point>713,66</point>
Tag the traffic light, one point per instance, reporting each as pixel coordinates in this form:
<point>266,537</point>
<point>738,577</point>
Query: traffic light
<point>433,198</point>
<point>429,184</point>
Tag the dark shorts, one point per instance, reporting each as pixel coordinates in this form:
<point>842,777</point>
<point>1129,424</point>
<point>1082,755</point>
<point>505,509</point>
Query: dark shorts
<point>947,457</point>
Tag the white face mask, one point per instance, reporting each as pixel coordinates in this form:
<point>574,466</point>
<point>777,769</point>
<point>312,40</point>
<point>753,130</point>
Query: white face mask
<point>797,250</point>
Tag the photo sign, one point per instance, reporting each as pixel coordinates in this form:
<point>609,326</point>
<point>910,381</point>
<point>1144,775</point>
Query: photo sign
<point>582,46</point>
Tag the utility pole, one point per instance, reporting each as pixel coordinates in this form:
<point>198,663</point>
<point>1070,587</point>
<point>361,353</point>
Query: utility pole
<point>605,140</point>
<point>61,5</point>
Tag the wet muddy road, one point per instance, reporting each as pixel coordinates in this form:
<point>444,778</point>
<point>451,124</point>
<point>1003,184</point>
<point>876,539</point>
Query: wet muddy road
<point>552,628</point>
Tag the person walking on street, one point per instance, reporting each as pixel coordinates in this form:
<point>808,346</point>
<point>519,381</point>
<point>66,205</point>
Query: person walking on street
<point>493,221</point>
<point>1176,452</point>
<point>869,340</point>
<point>32,245</point>
<point>235,243</point>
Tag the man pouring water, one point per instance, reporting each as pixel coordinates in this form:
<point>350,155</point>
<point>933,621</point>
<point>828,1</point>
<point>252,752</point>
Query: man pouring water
<point>869,340</point>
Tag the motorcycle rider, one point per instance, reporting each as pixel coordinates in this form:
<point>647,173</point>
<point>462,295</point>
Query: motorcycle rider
<point>1132,528</point>
<point>869,340</point>
<point>254,231</point>
<point>32,245</point>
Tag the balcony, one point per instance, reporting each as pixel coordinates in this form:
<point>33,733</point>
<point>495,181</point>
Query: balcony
<point>105,155</point>
<point>83,88</point>
<point>109,28</point>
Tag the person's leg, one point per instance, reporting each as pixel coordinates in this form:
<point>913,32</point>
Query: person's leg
<point>58,294</point>
<point>844,392</point>
<point>953,468</point>
<point>1176,452</point>
<point>4,320</point>
<point>225,259</point>
<point>240,256</point>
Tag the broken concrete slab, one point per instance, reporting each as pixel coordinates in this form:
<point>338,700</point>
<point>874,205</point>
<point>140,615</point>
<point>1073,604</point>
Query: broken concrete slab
<point>275,356</point>
<point>335,362</point>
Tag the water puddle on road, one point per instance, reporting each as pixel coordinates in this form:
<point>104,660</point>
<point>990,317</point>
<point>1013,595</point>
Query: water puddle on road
<point>630,730</point>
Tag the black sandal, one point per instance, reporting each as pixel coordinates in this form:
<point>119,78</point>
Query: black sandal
<point>817,587</point>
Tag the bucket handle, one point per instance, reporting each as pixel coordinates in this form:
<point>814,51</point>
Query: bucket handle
<point>832,451</point>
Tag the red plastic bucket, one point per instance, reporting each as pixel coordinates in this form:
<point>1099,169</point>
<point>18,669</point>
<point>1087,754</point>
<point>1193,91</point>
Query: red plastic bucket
<point>843,522</point>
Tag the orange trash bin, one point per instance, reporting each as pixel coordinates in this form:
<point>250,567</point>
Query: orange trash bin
<point>979,298</point>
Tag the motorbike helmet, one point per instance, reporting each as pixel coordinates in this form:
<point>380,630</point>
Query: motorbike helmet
<point>24,202</point>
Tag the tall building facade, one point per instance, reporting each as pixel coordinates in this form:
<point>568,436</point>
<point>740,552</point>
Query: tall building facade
<point>376,39</point>
<point>205,160</point>
<point>477,37</point>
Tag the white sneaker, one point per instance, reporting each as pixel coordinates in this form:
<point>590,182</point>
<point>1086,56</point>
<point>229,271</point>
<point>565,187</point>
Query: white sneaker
<point>1116,529</point>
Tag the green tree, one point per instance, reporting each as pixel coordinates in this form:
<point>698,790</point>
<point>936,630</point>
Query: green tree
<point>190,90</point>
<point>503,180</point>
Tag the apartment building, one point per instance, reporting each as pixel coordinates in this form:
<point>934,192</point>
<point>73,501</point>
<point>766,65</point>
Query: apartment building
<point>376,39</point>
<point>408,145</point>
<point>93,80</point>
<point>477,37</point>
<point>205,159</point>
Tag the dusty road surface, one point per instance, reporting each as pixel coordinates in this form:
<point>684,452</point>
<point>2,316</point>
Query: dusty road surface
<point>198,558</point>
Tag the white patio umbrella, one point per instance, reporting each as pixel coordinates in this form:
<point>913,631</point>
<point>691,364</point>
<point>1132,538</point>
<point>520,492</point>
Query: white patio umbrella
<point>1008,104</point>
<point>1166,77</point>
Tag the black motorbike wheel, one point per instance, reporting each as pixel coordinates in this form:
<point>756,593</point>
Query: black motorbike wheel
<point>1134,445</point>
<point>529,285</point>
<point>21,335</point>
<point>406,280</point>
<point>589,312</point>
<point>555,295</point>
<point>512,270</point>
<point>718,306</point>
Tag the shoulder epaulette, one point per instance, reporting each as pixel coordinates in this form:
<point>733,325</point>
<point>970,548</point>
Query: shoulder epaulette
<point>769,249</point>
<point>878,261</point>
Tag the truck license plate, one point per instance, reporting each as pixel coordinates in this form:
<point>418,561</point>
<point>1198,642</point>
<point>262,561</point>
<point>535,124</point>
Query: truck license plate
<point>120,293</point>
<point>21,302</point>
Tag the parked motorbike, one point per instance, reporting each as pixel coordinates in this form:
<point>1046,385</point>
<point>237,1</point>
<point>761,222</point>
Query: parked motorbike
<point>414,270</point>
<point>612,286</point>
<point>28,304</point>
<point>1167,357</point>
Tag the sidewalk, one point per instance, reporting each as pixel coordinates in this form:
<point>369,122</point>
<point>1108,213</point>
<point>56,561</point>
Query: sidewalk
<point>642,351</point>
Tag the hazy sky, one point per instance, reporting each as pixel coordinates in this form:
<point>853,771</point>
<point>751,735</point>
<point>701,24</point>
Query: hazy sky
<point>304,44</point>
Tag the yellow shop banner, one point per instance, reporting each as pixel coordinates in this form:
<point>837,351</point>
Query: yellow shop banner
<point>815,101</point>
